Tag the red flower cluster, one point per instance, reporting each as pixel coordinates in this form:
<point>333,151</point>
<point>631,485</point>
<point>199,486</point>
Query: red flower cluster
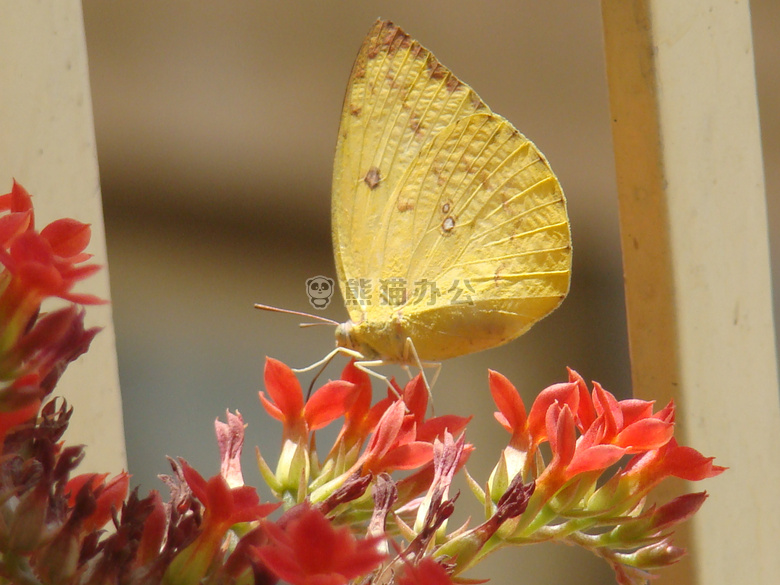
<point>34,349</point>
<point>306,549</point>
<point>572,498</point>
<point>375,509</point>
<point>576,496</point>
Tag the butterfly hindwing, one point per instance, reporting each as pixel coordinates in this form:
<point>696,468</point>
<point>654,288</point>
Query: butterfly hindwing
<point>479,205</point>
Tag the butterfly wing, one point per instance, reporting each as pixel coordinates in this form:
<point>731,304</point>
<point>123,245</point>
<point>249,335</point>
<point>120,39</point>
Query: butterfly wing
<point>478,229</point>
<point>398,97</point>
<point>479,202</point>
<point>445,201</point>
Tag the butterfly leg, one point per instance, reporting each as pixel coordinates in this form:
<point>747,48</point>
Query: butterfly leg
<point>323,363</point>
<point>367,365</point>
<point>411,352</point>
<point>360,363</point>
<point>326,360</point>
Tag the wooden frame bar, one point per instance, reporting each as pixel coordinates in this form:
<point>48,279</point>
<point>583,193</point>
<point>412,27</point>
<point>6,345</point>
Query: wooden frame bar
<point>697,276</point>
<point>47,143</point>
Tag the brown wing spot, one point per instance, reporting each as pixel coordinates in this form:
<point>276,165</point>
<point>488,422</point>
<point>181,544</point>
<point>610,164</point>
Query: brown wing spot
<point>391,77</point>
<point>497,275</point>
<point>505,203</point>
<point>416,125</point>
<point>484,178</point>
<point>373,178</point>
<point>384,39</point>
<point>372,53</point>
<point>448,224</point>
<point>466,163</point>
<point>400,41</point>
<point>453,83</point>
<point>446,207</point>
<point>355,110</point>
<point>405,205</point>
<point>438,172</point>
<point>436,69</point>
<point>389,39</point>
<point>476,102</point>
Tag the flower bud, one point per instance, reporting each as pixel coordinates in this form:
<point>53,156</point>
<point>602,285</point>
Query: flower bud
<point>657,555</point>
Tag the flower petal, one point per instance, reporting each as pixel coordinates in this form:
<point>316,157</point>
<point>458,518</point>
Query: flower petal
<point>328,403</point>
<point>646,434</point>
<point>593,458</point>
<point>284,389</point>
<point>508,401</point>
<point>67,237</point>
<point>562,394</point>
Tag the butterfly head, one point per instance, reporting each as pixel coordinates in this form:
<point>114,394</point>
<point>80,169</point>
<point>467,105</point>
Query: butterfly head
<point>347,336</point>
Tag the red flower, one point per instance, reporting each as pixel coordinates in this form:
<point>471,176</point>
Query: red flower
<point>427,572</point>
<point>610,428</point>
<point>629,423</point>
<point>37,266</point>
<point>20,218</point>
<point>403,439</point>
<point>108,497</point>
<point>45,264</point>
<point>224,507</point>
<point>394,444</point>
<point>286,404</point>
<point>153,534</point>
<point>570,455</point>
<point>672,460</point>
<point>360,419</point>
<point>415,396</point>
<point>308,550</point>
<point>528,431</point>
<point>42,264</point>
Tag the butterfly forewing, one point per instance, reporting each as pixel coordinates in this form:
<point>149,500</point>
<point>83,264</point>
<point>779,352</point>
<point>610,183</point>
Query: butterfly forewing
<point>398,97</point>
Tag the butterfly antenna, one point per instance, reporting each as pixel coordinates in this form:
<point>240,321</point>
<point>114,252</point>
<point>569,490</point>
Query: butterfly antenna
<point>323,320</point>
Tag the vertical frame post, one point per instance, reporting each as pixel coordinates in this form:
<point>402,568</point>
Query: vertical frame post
<point>697,276</point>
<point>47,144</point>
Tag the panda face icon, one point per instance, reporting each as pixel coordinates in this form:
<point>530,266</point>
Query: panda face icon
<point>320,290</point>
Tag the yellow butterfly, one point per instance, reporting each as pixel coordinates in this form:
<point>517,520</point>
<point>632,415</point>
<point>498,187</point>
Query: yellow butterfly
<point>450,229</point>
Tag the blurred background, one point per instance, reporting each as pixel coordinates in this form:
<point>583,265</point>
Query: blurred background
<point>216,125</point>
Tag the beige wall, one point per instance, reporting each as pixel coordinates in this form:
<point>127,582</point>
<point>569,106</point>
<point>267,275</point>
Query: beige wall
<point>215,132</point>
